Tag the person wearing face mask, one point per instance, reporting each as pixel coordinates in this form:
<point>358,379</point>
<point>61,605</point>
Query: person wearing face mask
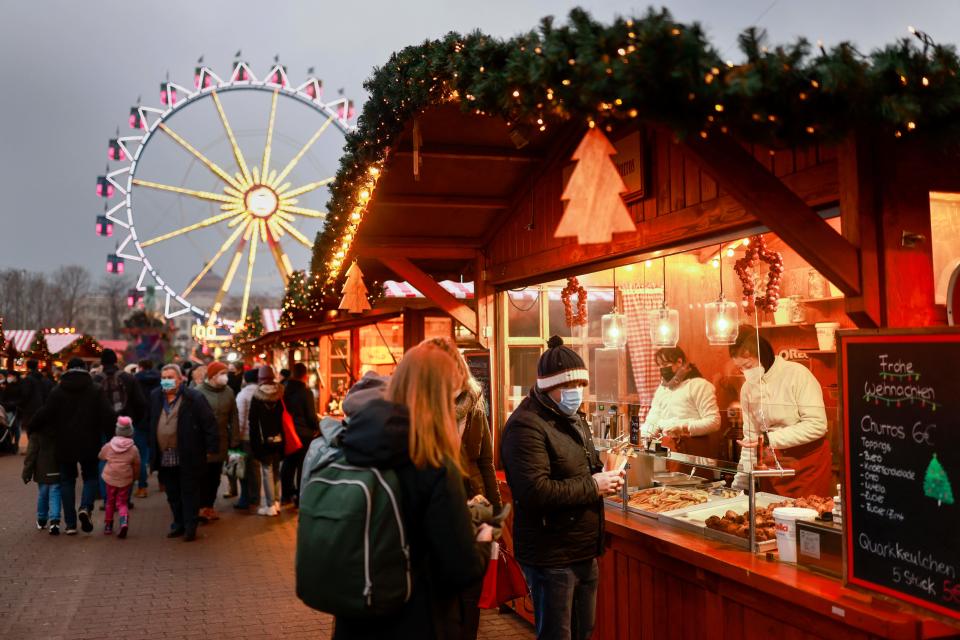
<point>558,484</point>
<point>684,407</point>
<point>183,433</point>
<point>782,404</point>
<point>224,404</point>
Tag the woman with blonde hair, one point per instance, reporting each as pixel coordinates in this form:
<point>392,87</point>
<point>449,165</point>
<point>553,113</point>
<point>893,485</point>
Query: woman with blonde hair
<point>413,430</point>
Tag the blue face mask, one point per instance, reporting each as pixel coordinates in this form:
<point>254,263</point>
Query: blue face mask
<point>168,384</point>
<point>570,400</point>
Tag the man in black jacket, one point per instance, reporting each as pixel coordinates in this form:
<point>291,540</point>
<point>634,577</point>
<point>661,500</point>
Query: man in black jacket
<point>149,379</point>
<point>78,415</point>
<point>556,478</point>
<point>302,407</point>
<point>182,432</point>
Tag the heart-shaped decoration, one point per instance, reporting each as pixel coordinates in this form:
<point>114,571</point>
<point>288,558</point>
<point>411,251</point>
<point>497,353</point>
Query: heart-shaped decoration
<point>757,253</point>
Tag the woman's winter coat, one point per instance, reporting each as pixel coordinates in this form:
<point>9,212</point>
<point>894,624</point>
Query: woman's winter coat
<point>444,556</point>
<point>77,415</point>
<point>224,405</point>
<point>550,460</point>
<point>197,433</point>
<point>123,462</point>
<point>266,422</point>
<point>476,454</point>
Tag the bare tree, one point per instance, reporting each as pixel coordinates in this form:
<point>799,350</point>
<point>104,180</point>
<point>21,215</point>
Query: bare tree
<point>12,298</point>
<point>71,284</point>
<point>114,290</point>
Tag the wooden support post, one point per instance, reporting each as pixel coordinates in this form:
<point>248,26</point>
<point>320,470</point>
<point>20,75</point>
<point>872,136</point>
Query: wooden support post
<point>860,223</point>
<point>355,354</point>
<point>433,291</point>
<point>413,328</point>
<point>483,296</point>
<point>766,198</point>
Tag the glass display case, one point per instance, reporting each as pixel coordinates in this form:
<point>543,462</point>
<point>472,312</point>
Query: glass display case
<point>686,499</point>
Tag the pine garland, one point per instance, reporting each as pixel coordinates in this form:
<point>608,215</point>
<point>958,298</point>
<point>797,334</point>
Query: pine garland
<point>652,68</point>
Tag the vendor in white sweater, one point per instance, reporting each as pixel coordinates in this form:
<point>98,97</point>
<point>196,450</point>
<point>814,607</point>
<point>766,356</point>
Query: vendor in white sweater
<point>684,407</point>
<point>782,404</point>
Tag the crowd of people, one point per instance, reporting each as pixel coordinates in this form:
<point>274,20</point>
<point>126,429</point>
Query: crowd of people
<point>112,428</point>
<point>428,422</point>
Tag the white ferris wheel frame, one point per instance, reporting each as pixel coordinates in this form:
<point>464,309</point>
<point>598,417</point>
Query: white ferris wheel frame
<point>175,304</point>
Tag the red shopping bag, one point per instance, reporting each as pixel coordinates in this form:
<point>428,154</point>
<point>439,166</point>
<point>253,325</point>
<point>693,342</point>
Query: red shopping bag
<point>291,441</point>
<point>503,581</point>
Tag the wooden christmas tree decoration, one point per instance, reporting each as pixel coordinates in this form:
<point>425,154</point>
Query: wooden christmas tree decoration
<point>354,292</point>
<point>595,210</point>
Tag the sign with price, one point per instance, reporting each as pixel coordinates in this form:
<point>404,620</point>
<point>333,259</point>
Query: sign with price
<point>901,418</point>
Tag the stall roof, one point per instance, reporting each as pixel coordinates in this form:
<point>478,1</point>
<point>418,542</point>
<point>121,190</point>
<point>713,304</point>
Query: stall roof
<point>473,169</point>
<point>309,330</point>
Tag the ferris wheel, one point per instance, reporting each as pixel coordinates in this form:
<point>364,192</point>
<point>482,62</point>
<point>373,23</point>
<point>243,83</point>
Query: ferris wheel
<point>255,196</point>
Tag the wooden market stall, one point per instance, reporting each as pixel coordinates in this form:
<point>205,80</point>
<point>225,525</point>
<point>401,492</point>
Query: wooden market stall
<point>464,171</point>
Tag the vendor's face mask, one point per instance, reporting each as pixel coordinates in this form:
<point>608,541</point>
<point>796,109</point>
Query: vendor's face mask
<point>570,400</point>
<point>168,384</point>
<point>753,374</point>
<point>667,373</point>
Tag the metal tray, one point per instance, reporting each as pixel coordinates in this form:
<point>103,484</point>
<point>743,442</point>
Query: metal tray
<point>676,479</point>
<point>694,518</point>
<point>649,514</point>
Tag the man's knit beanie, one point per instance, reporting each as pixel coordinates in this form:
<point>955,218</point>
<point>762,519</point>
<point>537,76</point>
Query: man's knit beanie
<point>560,364</point>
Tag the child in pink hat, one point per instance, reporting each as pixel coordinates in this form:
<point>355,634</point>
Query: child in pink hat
<point>123,465</point>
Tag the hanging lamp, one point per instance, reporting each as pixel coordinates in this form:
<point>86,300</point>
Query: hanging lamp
<point>722,317</point>
<point>664,322</point>
<point>614,325</point>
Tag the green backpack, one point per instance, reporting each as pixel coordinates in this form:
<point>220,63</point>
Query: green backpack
<point>353,559</point>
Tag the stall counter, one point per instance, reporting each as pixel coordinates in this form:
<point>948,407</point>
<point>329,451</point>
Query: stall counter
<point>658,581</point>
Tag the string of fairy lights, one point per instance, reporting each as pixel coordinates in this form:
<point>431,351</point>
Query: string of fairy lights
<point>651,68</point>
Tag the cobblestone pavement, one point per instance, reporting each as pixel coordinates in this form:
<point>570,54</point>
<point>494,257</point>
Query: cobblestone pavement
<point>236,581</point>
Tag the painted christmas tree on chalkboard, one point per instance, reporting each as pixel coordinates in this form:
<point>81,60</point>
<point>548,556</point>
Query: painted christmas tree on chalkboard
<point>936,484</point>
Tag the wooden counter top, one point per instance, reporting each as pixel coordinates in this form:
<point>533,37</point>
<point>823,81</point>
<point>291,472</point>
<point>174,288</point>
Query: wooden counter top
<point>631,534</point>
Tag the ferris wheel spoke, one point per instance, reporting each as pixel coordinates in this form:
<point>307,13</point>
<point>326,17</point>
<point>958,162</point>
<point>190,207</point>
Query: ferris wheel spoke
<point>237,153</point>
<point>206,268</point>
<point>304,189</point>
<point>303,211</point>
<point>203,195</point>
<point>212,220</point>
<point>214,167</point>
<point>279,257</point>
<point>265,164</point>
<point>228,279</point>
<point>296,159</point>
<point>293,231</point>
<point>254,237</point>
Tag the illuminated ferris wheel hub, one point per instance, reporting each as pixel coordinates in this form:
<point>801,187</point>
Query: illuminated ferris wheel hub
<point>260,199</point>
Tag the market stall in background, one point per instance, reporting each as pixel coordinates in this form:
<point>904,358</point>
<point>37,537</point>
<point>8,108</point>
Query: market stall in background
<point>620,186</point>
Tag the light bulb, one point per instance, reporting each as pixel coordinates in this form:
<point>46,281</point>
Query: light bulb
<point>722,324</point>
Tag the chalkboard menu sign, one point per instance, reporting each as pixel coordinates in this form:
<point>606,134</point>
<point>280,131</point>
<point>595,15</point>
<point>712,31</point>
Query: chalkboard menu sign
<point>479,364</point>
<point>901,406</point>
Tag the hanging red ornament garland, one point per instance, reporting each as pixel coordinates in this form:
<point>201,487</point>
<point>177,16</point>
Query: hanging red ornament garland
<point>580,317</point>
<point>756,253</point>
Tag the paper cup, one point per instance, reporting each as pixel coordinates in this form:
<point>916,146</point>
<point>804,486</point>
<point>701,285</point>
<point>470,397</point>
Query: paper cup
<point>785,522</point>
<point>826,335</point>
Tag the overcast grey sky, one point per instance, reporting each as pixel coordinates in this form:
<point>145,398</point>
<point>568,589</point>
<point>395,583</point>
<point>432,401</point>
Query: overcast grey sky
<point>71,70</point>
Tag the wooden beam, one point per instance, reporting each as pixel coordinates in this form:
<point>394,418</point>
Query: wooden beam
<point>441,201</point>
<point>459,243</point>
<point>557,155</point>
<point>415,251</point>
<point>469,152</point>
<point>768,199</point>
<point>859,222</point>
<point>433,291</point>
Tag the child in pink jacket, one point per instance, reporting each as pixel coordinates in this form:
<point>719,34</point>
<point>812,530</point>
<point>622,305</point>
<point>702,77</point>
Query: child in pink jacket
<point>123,465</point>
